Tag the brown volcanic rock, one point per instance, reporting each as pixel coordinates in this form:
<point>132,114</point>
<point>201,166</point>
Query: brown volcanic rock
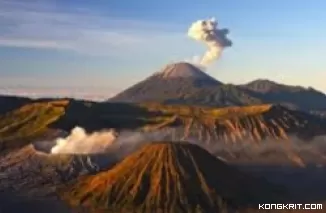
<point>245,133</point>
<point>171,177</point>
<point>28,171</point>
<point>239,124</point>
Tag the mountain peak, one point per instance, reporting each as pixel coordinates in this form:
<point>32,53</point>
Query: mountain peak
<point>176,176</point>
<point>183,70</point>
<point>175,81</point>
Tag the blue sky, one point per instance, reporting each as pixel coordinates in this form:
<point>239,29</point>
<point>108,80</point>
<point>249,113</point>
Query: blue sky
<point>102,46</point>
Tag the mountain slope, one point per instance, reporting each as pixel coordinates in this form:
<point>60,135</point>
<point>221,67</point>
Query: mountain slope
<point>30,172</point>
<point>185,84</point>
<point>218,96</point>
<point>9,103</point>
<point>28,122</point>
<point>171,177</point>
<point>307,99</point>
<point>237,124</point>
<point>209,125</point>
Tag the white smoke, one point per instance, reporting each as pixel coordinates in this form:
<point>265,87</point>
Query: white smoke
<point>79,142</point>
<point>216,40</point>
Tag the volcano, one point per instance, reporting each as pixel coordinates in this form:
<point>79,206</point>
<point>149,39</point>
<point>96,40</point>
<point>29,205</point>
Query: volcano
<point>172,82</point>
<point>184,83</point>
<point>171,177</point>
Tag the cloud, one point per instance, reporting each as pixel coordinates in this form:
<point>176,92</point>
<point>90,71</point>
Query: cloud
<point>85,93</point>
<point>79,142</point>
<point>40,24</point>
<point>43,44</point>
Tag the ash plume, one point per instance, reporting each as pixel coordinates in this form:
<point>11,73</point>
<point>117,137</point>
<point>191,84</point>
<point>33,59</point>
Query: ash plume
<point>79,142</point>
<point>207,31</point>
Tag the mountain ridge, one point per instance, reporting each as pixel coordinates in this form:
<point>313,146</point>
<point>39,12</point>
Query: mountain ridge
<point>207,124</point>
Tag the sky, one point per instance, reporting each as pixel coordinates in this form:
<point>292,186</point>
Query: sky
<point>97,48</point>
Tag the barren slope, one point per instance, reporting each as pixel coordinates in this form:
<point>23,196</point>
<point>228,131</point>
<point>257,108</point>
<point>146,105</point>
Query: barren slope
<point>183,83</point>
<point>171,177</point>
<point>236,124</point>
<point>27,171</point>
<point>256,125</point>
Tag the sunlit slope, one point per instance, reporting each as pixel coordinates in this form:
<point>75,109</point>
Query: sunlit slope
<point>180,122</point>
<point>234,124</point>
<point>171,177</point>
<point>41,120</point>
<point>30,121</point>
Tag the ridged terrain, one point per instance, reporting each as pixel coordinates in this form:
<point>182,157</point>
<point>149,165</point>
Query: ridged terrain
<point>168,177</point>
<point>236,124</point>
<point>28,122</point>
<point>254,124</point>
<point>23,171</point>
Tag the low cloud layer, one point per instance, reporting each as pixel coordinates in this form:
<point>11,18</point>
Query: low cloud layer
<point>120,145</point>
<point>85,93</point>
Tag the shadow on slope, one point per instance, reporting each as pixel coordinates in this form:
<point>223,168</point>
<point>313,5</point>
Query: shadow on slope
<point>305,185</point>
<point>307,99</point>
<point>11,203</point>
<point>28,171</point>
<point>96,116</point>
<point>9,103</point>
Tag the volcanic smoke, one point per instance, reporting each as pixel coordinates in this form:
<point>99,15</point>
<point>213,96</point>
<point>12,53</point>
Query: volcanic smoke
<point>206,31</point>
<point>79,142</point>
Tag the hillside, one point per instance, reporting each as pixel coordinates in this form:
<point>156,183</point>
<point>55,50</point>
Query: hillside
<point>23,171</point>
<point>209,125</point>
<point>9,103</point>
<point>232,124</point>
<point>184,83</point>
<point>267,91</point>
<point>170,177</point>
<point>29,122</point>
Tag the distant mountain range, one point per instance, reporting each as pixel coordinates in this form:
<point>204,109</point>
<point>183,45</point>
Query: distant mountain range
<point>183,83</point>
